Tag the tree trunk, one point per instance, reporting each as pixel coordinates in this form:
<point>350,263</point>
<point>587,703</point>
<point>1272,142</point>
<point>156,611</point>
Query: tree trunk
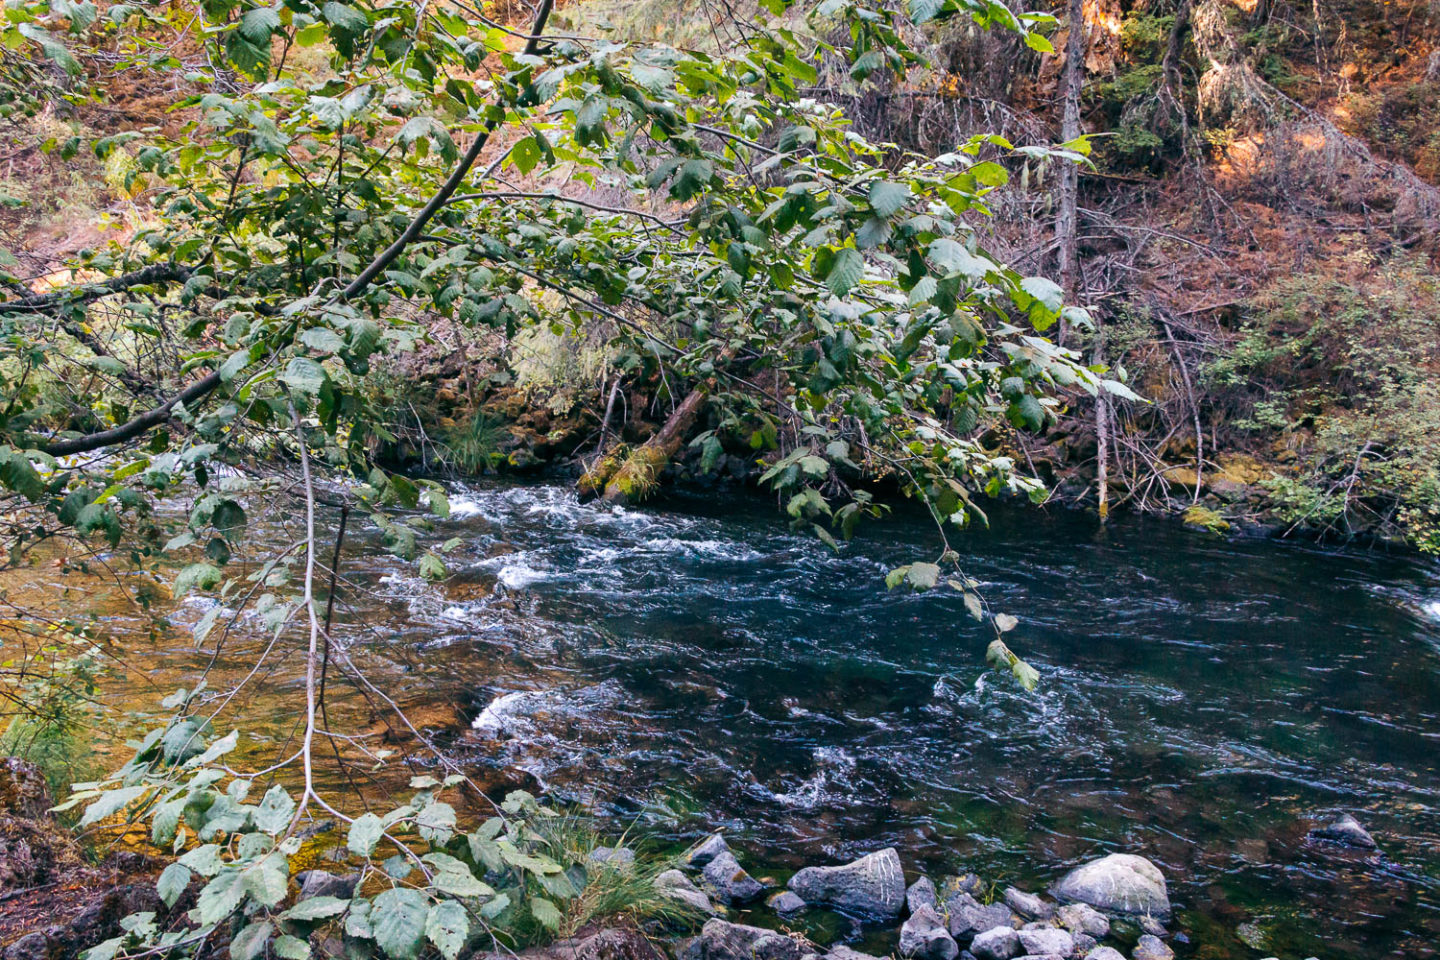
<point>635,477</point>
<point>1067,219</point>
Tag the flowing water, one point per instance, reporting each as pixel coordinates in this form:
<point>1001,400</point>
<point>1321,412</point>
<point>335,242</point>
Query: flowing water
<point>695,666</point>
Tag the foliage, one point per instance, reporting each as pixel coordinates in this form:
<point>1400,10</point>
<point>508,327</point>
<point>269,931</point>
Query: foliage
<point>50,703</point>
<point>1346,366</point>
<point>424,882</point>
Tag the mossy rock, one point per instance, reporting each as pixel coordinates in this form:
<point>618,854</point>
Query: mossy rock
<point>1206,519</point>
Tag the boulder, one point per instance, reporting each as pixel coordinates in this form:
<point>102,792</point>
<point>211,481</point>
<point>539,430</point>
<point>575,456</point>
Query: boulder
<point>1028,904</point>
<point>607,943</point>
<point>33,946</point>
<point>1104,953</point>
<point>786,902</point>
<point>1046,941</point>
<point>842,952</point>
<point>999,943</point>
<point>965,883</point>
<point>924,936</point>
<point>674,885</point>
<point>1119,883</point>
<point>969,917</point>
<point>323,883</point>
<point>921,893</point>
<point>1153,927</point>
<point>729,882</point>
<point>1081,918</point>
<point>1084,943</point>
<point>871,887</point>
<point>616,858</point>
<point>1152,948</point>
<point>1346,830</point>
<point>706,850</point>
<point>722,940</point>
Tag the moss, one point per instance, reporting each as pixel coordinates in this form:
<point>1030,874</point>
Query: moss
<point>1205,519</point>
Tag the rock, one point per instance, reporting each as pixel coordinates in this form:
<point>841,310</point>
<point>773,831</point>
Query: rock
<point>1346,830</point>
<point>969,917</point>
<point>23,790</point>
<point>1047,941</point>
<point>674,885</point>
<point>1082,918</point>
<point>1040,956</point>
<point>1104,953</point>
<point>924,936</point>
<point>32,946</point>
<point>722,940</point>
<point>1084,943</point>
<point>706,850</point>
<point>998,943</point>
<point>1028,904</point>
<point>873,886</point>
<point>729,882</point>
<point>786,902</point>
<point>1153,927</point>
<point>965,883</point>
<point>608,943</point>
<point>322,883</point>
<point>1152,948</point>
<point>843,952</point>
<point>616,858</point>
<point>1119,883</point>
<point>921,893</point>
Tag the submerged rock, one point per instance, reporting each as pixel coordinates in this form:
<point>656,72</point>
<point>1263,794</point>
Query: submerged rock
<point>1028,904</point>
<point>924,936</point>
<point>1083,918</point>
<point>706,850</point>
<point>674,885</point>
<point>1152,948</point>
<point>1104,953</point>
<point>722,940</point>
<point>786,902</point>
<point>1119,883</point>
<point>969,917</point>
<point>998,943</point>
<point>729,882</point>
<point>323,883</point>
<point>921,893</point>
<point>873,886</point>
<point>965,883</point>
<point>1346,830</point>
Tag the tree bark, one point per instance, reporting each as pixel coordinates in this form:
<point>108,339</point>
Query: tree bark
<point>635,478</point>
<point>1072,78</point>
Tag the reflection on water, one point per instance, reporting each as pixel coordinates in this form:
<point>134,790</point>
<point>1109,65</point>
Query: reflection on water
<point>696,666</point>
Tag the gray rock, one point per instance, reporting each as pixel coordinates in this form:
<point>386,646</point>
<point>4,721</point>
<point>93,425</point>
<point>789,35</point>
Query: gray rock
<point>1119,883</point>
<point>969,917</point>
<point>1081,918</point>
<point>1346,830</point>
<point>706,850</point>
<point>1153,927</point>
<point>842,952</point>
<point>1084,943</point>
<point>1047,940</point>
<point>965,883</point>
<point>674,885</point>
<point>616,857</point>
<point>921,893</point>
<point>32,946</point>
<point>999,943</point>
<point>323,883</point>
<point>1040,956</point>
<point>1104,953</point>
<point>1028,904</point>
<point>722,940</point>
<point>924,937</point>
<point>786,902</point>
<point>1152,948</point>
<point>873,886</point>
<point>728,881</point>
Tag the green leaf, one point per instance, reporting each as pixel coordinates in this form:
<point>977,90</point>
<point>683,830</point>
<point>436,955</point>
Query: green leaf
<point>991,174</point>
<point>316,908</point>
<point>221,897</point>
<point>172,883</point>
<point>110,803</point>
<point>345,17</point>
<point>398,918</point>
<point>365,832</point>
<point>1045,290</point>
<point>249,943</point>
<point>197,576</point>
<point>258,23</point>
<point>546,912</point>
<point>292,948</point>
<point>275,811</point>
<point>846,271</point>
<point>304,375</point>
<point>887,198</point>
<point>432,567</point>
<point>1004,622</point>
<point>267,880</point>
<point>923,576</point>
<point>447,926</point>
